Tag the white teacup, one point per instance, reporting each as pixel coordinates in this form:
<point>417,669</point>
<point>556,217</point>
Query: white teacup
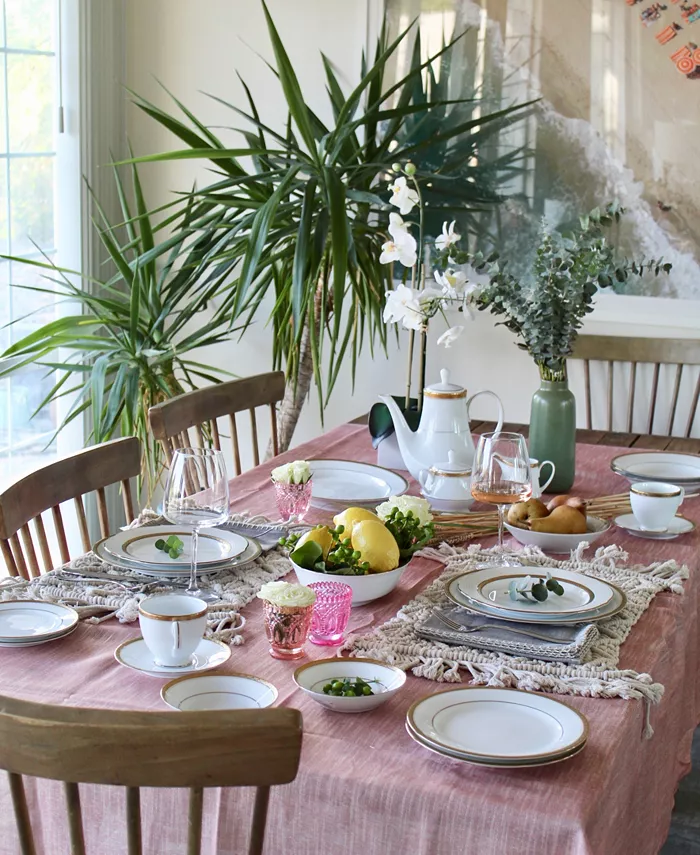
<point>654,505</point>
<point>535,469</point>
<point>172,626</point>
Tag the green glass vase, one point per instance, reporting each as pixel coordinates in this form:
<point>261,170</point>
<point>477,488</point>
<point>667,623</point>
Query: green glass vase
<point>553,430</point>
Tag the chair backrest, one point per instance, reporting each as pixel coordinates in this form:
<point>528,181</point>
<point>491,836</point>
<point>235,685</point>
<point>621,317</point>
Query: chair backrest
<point>636,351</point>
<point>172,420</point>
<point>91,469</point>
<point>246,748</point>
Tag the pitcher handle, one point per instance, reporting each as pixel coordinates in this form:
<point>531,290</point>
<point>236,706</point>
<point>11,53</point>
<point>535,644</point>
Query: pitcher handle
<point>499,424</point>
<point>546,484</point>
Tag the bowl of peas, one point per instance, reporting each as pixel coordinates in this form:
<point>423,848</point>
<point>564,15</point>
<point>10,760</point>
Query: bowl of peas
<point>349,685</point>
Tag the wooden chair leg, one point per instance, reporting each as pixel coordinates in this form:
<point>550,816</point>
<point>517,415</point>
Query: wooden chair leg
<point>43,543</point>
<point>82,523</point>
<point>133,820</point>
<point>128,501</point>
<point>236,447</point>
<point>257,833</point>
<point>102,512</point>
<point>273,428</point>
<point>60,534</point>
<point>10,562</point>
<point>254,437</point>
<point>194,821</point>
<point>19,803</point>
<point>75,818</point>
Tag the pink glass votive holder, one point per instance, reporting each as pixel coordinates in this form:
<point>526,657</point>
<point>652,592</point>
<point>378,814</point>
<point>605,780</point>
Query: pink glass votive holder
<point>293,500</point>
<point>331,612</point>
<point>287,628</point>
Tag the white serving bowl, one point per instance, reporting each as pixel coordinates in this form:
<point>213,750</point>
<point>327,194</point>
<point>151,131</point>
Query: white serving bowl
<point>312,677</point>
<point>548,542</point>
<point>364,588</point>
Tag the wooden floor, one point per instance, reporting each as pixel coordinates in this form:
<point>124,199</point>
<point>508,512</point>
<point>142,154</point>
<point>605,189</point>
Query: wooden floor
<point>684,836</point>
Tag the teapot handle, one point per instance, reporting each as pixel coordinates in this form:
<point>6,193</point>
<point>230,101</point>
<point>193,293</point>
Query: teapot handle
<point>499,403</point>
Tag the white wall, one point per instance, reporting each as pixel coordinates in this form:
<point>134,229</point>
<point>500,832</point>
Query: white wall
<point>192,47</point>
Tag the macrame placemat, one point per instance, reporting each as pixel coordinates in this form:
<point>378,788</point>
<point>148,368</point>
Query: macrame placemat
<point>396,642</point>
<point>99,600</point>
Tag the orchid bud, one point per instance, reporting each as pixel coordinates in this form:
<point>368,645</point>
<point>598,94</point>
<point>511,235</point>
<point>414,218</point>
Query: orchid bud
<point>410,169</point>
<point>396,167</point>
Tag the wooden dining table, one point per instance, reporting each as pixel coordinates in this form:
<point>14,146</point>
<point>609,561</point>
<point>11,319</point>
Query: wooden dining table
<point>363,784</point>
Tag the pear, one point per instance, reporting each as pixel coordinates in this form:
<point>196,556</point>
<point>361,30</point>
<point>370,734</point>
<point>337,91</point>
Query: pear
<point>521,512</point>
<point>562,520</point>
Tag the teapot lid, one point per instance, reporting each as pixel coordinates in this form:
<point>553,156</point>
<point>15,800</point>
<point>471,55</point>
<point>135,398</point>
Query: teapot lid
<point>445,389</point>
<point>451,468</point>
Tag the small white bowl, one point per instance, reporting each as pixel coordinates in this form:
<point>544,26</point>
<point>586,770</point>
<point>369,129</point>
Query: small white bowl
<point>312,677</point>
<point>563,543</point>
<point>218,692</point>
<point>364,588</point>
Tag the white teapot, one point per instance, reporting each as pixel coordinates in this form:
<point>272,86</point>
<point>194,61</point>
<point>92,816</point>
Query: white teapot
<point>444,426</point>
<point>447,486</point>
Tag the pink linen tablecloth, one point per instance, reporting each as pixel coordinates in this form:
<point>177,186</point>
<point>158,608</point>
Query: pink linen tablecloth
<point>363,784</point>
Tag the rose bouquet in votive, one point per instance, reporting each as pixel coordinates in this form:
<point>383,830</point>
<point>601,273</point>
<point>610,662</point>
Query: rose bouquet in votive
<point>293,485</point>
<point>288,609</point>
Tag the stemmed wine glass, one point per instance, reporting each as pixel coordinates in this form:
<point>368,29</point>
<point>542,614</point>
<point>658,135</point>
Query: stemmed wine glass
<point>196,495</point>
<point>501,472</point>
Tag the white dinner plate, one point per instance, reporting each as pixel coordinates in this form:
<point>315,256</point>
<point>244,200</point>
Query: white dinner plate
<point>677,526</point>
<point>251,552</point>
<point>346,483</point>
<point>489,586</point>
<point>34,620</point>
<point>135,654</point>
<point>218,692</point>
<point>453,755</point>
<point>668,466</point>
<point>138,545</point>
<point>496,725</point>
<point>42,639</point>
<point>616,604</point>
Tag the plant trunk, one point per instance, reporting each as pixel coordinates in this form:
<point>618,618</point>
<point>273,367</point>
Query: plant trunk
<point>295,395</point>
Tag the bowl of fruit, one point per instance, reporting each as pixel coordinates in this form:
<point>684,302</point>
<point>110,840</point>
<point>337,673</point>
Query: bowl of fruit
<point>558,526</point>
<point>368,551</point>
<point>349,685</point>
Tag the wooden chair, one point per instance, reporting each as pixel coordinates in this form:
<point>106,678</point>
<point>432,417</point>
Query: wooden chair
<point>637,351</point>
<point>172,420</point>
<point>91,469</point>
<point>247,748</point>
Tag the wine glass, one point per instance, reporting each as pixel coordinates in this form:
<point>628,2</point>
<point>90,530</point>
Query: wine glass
<point>196,495</point>
<point>501,472</point>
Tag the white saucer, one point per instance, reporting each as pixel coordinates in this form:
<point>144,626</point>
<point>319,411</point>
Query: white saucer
<point>449,506</point>
<point>135,655</point>
<point>677,526</point>
<point>36,642</point>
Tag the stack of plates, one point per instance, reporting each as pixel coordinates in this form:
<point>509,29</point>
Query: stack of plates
<point>585,599</point>
<point>665,466</point>
<point>135,549</point>
<point>501,728</point>
<point>25,623</point>
<point>339,484</point>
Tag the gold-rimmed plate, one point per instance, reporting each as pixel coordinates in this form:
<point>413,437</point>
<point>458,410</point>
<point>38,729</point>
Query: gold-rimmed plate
<point>498,726</point>
<point>490,586</point>
<point>344,483</point>
<point>216,546</point>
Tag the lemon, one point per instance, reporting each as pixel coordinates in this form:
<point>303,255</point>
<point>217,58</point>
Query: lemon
<point>376,545</point>
<point>319,535</point>
<point>349,517</point>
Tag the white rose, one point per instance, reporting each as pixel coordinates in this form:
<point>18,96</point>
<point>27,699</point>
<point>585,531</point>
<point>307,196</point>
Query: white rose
<point>297,472</point>
<point>419,507</point>
<point>287,594</point>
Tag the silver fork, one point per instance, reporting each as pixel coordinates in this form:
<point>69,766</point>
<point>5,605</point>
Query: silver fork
<point>452,624</point>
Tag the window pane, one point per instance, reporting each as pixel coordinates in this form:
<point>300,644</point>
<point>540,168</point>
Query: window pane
<point>3,112</point>
<point>31,202</point>
<point>29,24</point>
<point>4,236</point>
<point>34,309</point>
<point>31,102</point>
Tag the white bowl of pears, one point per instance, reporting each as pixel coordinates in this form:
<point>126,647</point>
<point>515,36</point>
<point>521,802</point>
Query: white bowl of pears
<point>558,526</point>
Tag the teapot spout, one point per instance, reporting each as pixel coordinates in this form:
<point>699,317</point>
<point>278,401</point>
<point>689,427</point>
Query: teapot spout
<point>407,439</point>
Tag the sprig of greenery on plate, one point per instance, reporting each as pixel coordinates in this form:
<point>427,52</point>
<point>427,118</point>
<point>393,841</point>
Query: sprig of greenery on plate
<point>536,590</point>
<point>173,546</point>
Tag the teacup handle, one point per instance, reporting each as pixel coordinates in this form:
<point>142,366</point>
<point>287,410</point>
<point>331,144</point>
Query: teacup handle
<point>175,631</point>
<point>549,480</point>
<point>682,495</point>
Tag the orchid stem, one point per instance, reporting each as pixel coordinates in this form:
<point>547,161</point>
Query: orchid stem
<point>411,342</point>
<point>421,366</point>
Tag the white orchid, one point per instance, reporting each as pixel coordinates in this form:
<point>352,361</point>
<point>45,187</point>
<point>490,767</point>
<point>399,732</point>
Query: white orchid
<point>403,305</point>
<point>403,197</point>
<point>450,336</point>
<point>449,236</point>
<point>403,247</point>
<point>452,283</point>
<point>428,296</point>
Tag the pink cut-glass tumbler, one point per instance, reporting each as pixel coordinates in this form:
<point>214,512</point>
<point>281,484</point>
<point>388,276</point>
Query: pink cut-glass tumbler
<point>293,500</point>
<point>331,612</point>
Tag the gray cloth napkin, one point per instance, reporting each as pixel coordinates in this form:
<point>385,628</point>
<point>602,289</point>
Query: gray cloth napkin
<point>529,640</point>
